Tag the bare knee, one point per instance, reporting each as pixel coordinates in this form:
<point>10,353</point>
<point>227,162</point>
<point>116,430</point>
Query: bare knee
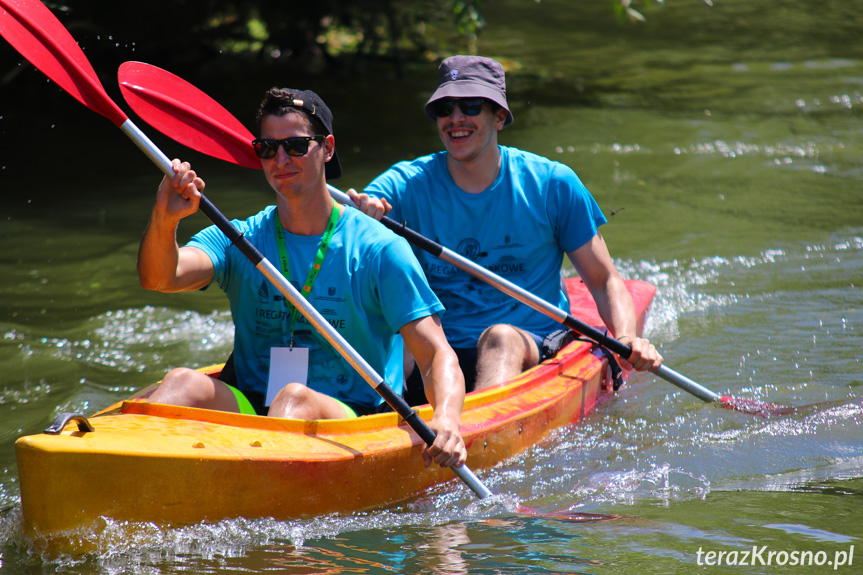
<point>504,340</point>
<point>500,336</point>
<point>290,401</point>
<point>186,387</point>
<point>178,381</point>
<point>296,401</point>
<point>292,392</point>
<point>180,376</point>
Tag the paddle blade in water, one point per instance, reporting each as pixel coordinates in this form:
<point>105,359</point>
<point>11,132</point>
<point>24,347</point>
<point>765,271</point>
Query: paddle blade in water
<point>186,114</point>
<point>766,410</point>
<point>32,29</point>
<point>567,515</point>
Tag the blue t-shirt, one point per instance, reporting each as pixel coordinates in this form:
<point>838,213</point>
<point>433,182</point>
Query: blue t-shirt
<point>369,286</point>
<point>519,228</point>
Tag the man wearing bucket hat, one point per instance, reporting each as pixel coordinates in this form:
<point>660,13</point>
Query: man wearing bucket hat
<point>361,277</point>
<point>510,211</point>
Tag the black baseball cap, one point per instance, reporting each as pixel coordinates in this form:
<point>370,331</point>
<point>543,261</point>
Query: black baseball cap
<point>314,107</point>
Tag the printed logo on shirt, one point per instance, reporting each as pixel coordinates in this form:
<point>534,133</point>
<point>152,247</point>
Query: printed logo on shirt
<point>503,267</point>
<point>439,270</point>
<point>328,294</point>
<point>337,322</point>
<point>273,314</point>
<point>507,244</point>
<point>264,292</point>
<point>469,248</point>
<point>508,264</point>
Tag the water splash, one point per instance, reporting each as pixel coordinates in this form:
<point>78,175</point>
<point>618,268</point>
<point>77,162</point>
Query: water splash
<point>660,483</point>
<point>785,153</point>
<point>121,546</point>
<point>132,339</point>
<point>162,326</point>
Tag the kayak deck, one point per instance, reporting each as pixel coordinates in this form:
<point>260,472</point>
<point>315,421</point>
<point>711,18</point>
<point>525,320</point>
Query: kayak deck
<point>166,464</point>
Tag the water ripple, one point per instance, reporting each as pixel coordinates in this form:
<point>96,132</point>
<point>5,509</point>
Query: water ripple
<point>131,339</point>
<point>661,483</point>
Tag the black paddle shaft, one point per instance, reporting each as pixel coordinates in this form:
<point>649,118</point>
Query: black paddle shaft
<point>231,232</point>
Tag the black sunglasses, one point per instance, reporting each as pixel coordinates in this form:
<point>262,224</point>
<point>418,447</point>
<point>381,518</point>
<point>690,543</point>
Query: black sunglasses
<point>267,148</point>
<point>469,107</point>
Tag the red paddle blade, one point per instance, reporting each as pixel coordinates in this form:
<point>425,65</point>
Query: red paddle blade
<point>32,29</point>
<point>186,114</point>
<point>567,515</point>
<point>754,407</point>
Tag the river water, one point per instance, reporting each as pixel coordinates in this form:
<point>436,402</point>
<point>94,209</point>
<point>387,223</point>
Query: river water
<point>724,143</point>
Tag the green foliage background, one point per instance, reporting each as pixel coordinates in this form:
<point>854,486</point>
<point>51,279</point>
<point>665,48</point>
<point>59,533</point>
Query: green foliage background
<point>312,37</point>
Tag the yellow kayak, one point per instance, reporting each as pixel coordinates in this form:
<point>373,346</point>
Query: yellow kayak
<point>145,462</point>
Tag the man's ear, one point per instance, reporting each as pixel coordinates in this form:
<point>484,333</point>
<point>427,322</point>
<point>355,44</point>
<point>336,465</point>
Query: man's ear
<point>329,147</point>
<point>500,119</point>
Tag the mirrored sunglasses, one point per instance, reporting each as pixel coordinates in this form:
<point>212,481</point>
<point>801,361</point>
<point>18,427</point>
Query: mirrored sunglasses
<point>267,148</point>
<point>469,106</point>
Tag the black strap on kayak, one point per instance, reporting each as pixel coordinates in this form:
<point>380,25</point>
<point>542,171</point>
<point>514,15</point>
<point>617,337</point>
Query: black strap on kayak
<point>557,340</point>
<point>616,371</point>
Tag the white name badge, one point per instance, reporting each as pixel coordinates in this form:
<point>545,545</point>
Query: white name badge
<point>287,365</point>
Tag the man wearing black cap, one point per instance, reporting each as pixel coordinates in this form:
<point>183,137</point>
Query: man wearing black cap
<point>510,211</point>
<point>361,277</point>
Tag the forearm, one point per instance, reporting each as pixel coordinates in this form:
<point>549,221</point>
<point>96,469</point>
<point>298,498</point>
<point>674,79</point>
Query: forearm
<point>616,308</point>
<point>159,255</point>
<point>613,302</point>
<point>162,264</point>
<point>444,384</point>
<point>444,387</point>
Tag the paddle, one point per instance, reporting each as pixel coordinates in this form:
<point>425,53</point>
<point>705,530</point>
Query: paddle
<point>32,29</point>
<point>189,116</point>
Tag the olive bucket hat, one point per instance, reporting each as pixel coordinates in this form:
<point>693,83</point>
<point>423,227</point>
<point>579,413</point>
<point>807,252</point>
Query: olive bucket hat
<point>470,77</point>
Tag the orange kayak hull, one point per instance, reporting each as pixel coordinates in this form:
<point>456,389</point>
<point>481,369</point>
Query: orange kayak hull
<point>147,462</point>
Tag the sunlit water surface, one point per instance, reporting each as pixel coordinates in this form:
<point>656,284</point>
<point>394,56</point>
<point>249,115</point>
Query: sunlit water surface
<point>723,143</point>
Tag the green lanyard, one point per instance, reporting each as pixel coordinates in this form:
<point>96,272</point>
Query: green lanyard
<point>316,266</point>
